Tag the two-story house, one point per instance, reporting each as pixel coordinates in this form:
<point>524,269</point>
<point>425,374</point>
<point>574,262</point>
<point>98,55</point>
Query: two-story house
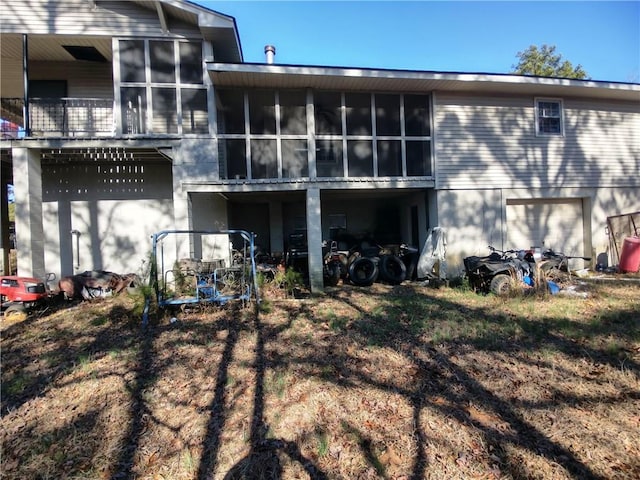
<point>142,116</point>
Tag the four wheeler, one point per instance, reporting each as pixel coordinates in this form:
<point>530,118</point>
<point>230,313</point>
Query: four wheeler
<point>20,295</point>
<point>498,271</point>
<point>555,265</point>
<point>334,263</point>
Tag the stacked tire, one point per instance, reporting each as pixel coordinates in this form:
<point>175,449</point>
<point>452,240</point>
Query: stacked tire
<point>364,271</point>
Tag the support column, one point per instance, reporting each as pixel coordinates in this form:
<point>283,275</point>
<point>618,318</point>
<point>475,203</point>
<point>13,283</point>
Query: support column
<point>5,244</point>
<point>27,176</point>
<point>276,240</point>
<point>314,239</point>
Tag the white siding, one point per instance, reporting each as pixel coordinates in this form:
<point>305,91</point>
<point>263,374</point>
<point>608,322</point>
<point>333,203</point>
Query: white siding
<point>490,142</point>
<point>84,79</point>
<point>79,17</point>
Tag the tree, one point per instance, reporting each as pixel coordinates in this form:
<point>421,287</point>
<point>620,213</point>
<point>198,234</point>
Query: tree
<point>545,62</point>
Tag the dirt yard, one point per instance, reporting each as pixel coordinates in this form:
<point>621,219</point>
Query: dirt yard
<point>385,382</point>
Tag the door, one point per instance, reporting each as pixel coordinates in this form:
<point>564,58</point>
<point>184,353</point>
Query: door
<point>547,223</point>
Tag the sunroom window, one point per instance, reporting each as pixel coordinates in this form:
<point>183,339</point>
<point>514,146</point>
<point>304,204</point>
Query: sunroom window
<point>355,134</point>
<point>161,87</point>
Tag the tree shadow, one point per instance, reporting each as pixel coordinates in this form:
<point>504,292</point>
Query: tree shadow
<point>263,460</point>
<point>443,386</point>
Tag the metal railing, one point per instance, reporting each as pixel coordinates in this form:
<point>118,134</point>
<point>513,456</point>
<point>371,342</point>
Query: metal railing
<point>58,117</point>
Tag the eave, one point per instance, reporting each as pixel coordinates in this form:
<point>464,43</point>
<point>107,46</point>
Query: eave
<point>251,75</point>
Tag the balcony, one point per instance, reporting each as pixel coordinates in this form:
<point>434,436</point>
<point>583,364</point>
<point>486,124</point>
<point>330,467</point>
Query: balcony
<point>59,117</point>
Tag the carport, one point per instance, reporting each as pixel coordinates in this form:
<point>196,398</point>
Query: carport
<point>390,216</point>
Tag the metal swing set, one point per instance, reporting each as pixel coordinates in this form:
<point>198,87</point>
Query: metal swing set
<point>230,273</point>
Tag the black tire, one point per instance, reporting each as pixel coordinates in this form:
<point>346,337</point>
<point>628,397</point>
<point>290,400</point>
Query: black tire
<point>332,276</point>
<point>501,285</point>
<point>363,271</point>
<point>16,313</point>
<point>392,269</point>
<point>410,261</point>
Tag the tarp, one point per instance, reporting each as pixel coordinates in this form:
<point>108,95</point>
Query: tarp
<point>432,261</point>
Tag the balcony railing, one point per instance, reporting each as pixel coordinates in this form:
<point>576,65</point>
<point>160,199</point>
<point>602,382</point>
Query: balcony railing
<point>59,117</point>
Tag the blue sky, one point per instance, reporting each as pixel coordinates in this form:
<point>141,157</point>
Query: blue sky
<point>451,36</point>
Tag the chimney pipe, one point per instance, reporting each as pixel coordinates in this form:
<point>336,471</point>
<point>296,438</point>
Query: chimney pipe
<point>269,51</point>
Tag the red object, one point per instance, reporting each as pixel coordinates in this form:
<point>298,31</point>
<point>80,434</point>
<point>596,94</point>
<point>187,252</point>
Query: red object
<point>25,290</point>
<point>630,255</point>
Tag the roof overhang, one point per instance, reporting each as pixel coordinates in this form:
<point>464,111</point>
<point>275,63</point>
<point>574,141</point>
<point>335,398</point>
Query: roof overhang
<point>251,75</point>
<point>220,29</point>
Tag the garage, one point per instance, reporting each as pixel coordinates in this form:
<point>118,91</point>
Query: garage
<point>547,223</point>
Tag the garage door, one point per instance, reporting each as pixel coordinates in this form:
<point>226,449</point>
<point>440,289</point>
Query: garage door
<point>555,224</point>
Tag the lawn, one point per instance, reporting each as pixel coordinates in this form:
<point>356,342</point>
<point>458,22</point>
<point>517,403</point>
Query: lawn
<point>390,382</point>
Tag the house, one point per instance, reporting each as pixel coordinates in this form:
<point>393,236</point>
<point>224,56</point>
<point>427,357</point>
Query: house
<point>142,116</point>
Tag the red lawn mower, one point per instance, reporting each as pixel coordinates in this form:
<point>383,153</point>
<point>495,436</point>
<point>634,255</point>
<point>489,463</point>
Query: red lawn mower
<point>20,295</point>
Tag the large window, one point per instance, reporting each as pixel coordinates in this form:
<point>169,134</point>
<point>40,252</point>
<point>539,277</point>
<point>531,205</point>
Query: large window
<point>355,134</point>
<point>162,89</point>
<point>549,117</point>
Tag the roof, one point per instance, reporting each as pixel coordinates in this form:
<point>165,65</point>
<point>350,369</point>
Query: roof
<point>250,75</point>
<point>217,27</point>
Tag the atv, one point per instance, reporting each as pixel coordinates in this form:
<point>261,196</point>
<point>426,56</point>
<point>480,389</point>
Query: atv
<point>498,271</point>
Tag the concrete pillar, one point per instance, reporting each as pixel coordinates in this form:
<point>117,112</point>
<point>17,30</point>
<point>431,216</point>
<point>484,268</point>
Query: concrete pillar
<point>276,239</point>
<point>27,176</point>
<point>314,239</point>
<point>4,219</point>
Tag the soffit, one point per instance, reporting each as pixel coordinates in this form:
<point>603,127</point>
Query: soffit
<point>346,79</point>
<point>50,47</point>
<point>218,28</point>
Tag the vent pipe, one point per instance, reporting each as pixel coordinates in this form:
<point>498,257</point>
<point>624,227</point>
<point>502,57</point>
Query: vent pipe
<point>270,52</point>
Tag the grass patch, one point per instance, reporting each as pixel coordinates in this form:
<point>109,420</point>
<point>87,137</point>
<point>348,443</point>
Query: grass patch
<point>382,382</point>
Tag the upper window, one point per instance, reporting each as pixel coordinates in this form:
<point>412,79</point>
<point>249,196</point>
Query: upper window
<point>549,117</point>
<point>161,87</point>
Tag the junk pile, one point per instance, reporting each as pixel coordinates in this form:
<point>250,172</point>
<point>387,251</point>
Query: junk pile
<point>96,284</point>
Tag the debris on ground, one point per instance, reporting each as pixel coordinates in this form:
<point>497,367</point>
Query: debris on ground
<point>96,283</point>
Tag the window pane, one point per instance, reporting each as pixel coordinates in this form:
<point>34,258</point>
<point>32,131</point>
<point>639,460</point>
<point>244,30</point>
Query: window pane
<point>329,158</point>
<point>230,110</point>
<point>389,158</point>
<point>264,163</point>
<point>416,113</point>
<point>358,107</point>
<point>134,110</point>
<point>233,158</point>
<point>418,158</point>
<point>360,158</point>
<point>327,113</point>
<point>293,113</point>
<point>295,162</point>
<point>191,62</point>
<point>549,109</point>
<point>132,61</point>
<point>164,110</point>
<point>262,112</point>
<point>549,125</point>
<point>388,115</point>
<point>163,62</point>
<point>194,111</point>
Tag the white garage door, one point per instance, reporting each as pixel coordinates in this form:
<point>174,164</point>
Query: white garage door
<point>547,223</point>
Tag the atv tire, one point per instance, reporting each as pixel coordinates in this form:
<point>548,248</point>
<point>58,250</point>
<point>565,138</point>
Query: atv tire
<point>16,313</point>
<point>332,275</point>
<point>501,285</point>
